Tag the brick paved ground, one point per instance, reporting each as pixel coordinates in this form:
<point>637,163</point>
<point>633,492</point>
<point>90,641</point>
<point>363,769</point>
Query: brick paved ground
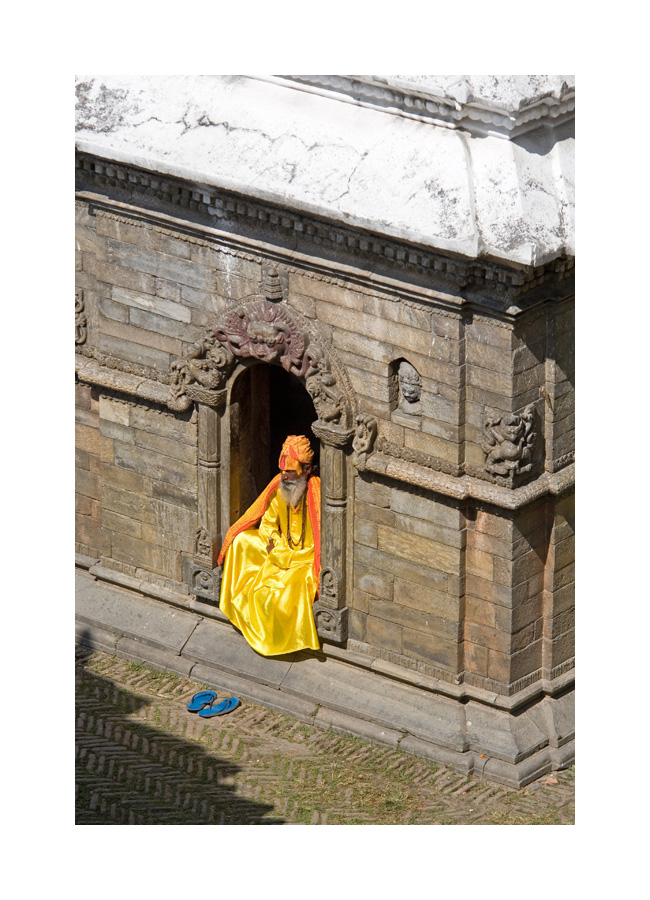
<point>143,759</point>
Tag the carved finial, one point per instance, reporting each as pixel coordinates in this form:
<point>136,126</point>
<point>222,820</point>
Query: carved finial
<point>272,285</point>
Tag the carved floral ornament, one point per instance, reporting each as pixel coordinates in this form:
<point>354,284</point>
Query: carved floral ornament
<point>80,322</point>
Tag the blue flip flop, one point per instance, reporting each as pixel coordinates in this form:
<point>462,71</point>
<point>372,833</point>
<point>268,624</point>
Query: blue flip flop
<point>220,708</point>
<point>203,698</point>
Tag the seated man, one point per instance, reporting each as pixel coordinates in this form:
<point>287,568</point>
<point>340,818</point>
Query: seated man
<point>270,575</point>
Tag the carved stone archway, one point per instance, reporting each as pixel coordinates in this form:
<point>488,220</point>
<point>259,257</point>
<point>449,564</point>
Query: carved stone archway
<point>259,328</point>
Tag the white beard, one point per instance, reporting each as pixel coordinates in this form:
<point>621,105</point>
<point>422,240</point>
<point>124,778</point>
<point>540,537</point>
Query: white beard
<point>293,491</point>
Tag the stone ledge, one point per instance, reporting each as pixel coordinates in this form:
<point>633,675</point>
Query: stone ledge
<point>464,487</point>
<point>322,690</point>
<point>462,692</point>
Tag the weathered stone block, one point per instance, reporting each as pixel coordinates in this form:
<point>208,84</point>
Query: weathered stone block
<point>475,659</point>
<point>88,484</point>
<point>365,533</point>
<point>357,625</point>
<point>447,514</point>
<point>142,337</point>
<point>527,565</point>
<point>88,531</point>
<point>82,396</point>
<point>118,276</point>
<point>426,598</point>
<point>126,480</point>
<point>111,410</point>
<point>87,439</point>
<point>418,549</point>
<point>431,649</point>
<point>521,614</point>
<point>486,543</point>
<point>561,623</point>
<point>171,494</point>
<point>131,352</point>
<point>489,358</point>
<point>480,563</point>
<point>499,666</point>
<point>174,527</point>
<point>564,576</point>
<point>125,525</point>
<point>489,590</point>
<point>417,620</point>
<point>166,446</point>
<point>379,584</point>
<point>126,503</point>
<point>563,648</point>
<point>382,633</point>
<point>487,637</point>
<point>114,431</point>
<point>166,469</point>
<point>81,459</point>
<point>482,331</point>
<point>138,553</point>
<point>525,661</point>
<point>481,612</point>
<point>166,425</point>
<point>432,446</point>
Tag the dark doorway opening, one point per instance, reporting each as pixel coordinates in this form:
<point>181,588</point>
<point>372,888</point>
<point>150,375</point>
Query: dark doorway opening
<point>266,405</point>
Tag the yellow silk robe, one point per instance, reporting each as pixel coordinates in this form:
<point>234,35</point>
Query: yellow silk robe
<point>269,597</point>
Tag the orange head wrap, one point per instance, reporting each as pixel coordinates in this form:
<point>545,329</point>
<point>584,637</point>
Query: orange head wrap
<point>296,451</point>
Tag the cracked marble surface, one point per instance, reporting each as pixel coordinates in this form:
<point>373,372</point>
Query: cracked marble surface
<point>446,189</point>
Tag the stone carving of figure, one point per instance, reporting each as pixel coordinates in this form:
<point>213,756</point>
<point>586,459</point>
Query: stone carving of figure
<point>328,402</point>
<point>410,387</point>
<point>364,438</point>
<point>203,543</point>
<point>508,443</point>
<point>207,363</point>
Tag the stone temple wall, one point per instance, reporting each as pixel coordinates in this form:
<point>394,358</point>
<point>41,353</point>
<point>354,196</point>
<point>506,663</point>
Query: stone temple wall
<point>444,573</point>
<point>448,513</point>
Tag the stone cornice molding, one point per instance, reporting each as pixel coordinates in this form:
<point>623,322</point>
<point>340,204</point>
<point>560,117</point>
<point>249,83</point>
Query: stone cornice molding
<point>484,285</point>
<point>465,487</point>
<point>98,374</point>
<point>475,115</point>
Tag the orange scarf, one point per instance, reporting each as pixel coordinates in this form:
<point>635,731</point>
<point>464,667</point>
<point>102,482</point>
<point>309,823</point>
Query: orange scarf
<point>255,512</point>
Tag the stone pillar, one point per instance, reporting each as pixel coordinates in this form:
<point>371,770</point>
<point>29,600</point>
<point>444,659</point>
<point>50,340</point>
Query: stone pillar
<point>330,610</point>
<point>209,478</point>
<point>200,573</point>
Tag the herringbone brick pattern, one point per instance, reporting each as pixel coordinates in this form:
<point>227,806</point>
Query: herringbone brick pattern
<point>143,759</point>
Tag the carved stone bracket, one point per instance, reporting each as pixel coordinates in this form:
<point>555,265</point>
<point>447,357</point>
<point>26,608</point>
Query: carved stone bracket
<point>203,581</point>
<point>80,322</point>
<point>200,375</point>
<point>331,624</point>
<point>332,435</point>
<point>364,439</point>
<point>508,443</point>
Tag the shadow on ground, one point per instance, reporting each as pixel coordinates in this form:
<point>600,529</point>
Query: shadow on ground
<point>132,773</point>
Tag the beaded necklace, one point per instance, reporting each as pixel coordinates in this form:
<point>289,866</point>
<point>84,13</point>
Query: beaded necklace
<point>303,529</point>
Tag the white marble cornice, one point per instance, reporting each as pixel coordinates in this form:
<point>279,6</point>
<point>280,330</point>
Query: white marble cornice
<point>501,106</point>
<point>269,139</point>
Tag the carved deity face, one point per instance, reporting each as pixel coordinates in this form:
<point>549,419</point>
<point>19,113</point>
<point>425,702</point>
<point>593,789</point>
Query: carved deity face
<point>410,383</point>
<point>512,428</point>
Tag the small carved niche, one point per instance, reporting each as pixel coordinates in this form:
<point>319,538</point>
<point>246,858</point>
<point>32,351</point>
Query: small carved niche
<point>405,388</point>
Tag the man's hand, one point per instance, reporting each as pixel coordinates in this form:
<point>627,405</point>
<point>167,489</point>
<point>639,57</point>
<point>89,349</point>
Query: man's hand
<point>270,545</point>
